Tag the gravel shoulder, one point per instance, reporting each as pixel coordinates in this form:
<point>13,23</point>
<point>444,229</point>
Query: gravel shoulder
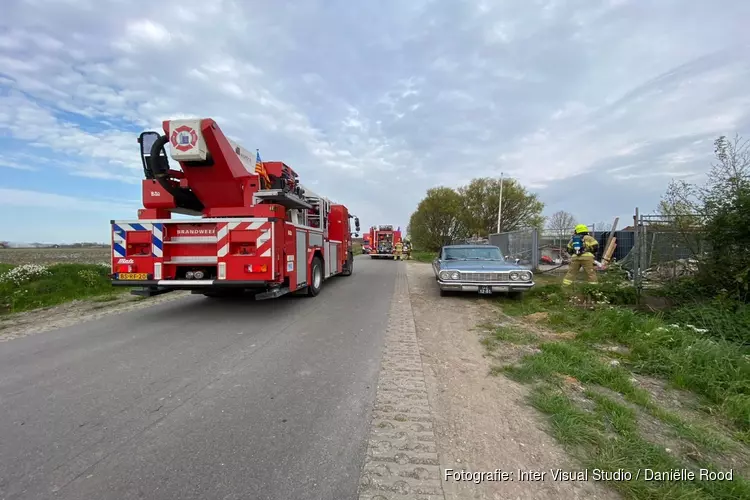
<point>482,422</point>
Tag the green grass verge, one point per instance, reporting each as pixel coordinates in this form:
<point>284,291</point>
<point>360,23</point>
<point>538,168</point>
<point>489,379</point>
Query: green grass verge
<point>27,287</point>
<point>508,334</point>
<point>423,256</point>
<point>695,359</point>
<point>607,438</point>
<point>716,369</point>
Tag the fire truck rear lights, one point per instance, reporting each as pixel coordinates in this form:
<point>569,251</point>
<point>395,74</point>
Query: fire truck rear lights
<point>125,269</point>
<point>257,269</point>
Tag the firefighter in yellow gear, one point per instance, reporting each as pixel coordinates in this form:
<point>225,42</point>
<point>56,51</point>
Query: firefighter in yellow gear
<point>407,249</point>
<point>397,251</point>
<point>582,247</point>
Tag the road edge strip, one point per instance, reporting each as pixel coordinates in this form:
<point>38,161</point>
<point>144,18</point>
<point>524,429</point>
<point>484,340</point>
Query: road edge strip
<point>402,460</point>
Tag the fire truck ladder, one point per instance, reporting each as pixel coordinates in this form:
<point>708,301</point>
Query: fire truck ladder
<point>281,197</point>
<point>320,209</point>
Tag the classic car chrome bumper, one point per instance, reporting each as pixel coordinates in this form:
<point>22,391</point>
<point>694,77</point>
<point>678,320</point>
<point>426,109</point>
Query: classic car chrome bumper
<point>462,286</point>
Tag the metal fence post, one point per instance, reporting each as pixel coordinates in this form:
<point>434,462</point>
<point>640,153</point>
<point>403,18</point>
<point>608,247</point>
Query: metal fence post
<point>535,249</point>
<point>637,254</point>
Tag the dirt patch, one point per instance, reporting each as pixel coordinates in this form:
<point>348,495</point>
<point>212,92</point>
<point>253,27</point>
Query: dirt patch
<point>482,423</point>
<point>22,324</point>
<point>537,317</point>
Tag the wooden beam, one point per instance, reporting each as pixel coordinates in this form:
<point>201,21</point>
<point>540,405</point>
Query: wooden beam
<point>609,251</point>
<point>612,232</point>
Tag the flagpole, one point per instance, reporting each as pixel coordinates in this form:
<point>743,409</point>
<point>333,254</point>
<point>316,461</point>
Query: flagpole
<point>500,204</point>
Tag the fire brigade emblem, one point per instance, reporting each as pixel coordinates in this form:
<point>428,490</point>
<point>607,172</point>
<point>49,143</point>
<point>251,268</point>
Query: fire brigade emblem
<point>183,138</point>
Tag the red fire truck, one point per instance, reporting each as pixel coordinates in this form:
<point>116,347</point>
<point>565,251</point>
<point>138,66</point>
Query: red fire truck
<point>366,246</point>
<point>256,228</point>
<point>382,241</point>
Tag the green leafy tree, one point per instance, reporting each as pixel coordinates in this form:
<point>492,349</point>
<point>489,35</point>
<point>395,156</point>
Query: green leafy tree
<point>438,220</point>
<point>480,200</point>
<point>720,209</point>
<point>726,206</point>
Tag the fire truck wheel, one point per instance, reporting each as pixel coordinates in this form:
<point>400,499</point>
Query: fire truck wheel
<point>349,265</point>
<point>316,277</point>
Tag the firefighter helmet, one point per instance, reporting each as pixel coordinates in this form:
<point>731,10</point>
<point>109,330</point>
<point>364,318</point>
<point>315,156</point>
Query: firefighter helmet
<point>582,228</point>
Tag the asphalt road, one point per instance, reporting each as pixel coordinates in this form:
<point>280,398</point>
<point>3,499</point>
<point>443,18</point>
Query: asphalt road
<point>199,398</point>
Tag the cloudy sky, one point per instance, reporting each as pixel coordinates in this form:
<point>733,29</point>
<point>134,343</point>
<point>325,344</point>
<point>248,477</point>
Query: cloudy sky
<point>592,104</point>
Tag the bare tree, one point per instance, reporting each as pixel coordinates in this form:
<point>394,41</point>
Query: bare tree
<point>561,223</point>
<point>603,226</point>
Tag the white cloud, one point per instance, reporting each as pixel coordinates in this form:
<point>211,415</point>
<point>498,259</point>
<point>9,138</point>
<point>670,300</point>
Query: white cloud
<point>37,199</point>
<point>375,104</point>
<point>4,163</point>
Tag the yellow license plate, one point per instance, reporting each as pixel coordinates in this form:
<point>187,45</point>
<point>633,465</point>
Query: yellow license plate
<point>132,276</point>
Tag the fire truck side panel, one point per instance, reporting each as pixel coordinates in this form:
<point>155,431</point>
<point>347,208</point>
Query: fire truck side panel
<point>301,255</point>
<point>331,263</point>
<point>338,223</point>
<point>278,239</point>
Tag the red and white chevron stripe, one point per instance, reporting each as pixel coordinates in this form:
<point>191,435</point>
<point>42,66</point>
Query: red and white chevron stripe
<point>263,242</point>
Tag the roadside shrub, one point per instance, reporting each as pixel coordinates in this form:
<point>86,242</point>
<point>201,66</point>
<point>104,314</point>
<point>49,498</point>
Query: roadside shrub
<point>89,277</point>
<point>684,290</point>
<point>551,293</point>
<point>615,293</point>
<point>23,274</point>
<point>729,234</point>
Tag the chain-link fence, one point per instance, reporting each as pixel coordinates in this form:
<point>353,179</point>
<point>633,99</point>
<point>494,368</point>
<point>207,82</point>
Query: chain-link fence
<point>520,246</point>
<point>545,251</point>
<point>666,249</point>
<point>653,251</point>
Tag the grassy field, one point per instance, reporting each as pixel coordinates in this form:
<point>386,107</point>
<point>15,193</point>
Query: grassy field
<point>626,388</point>
<point>34,278</point>
<point>47,256</point>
